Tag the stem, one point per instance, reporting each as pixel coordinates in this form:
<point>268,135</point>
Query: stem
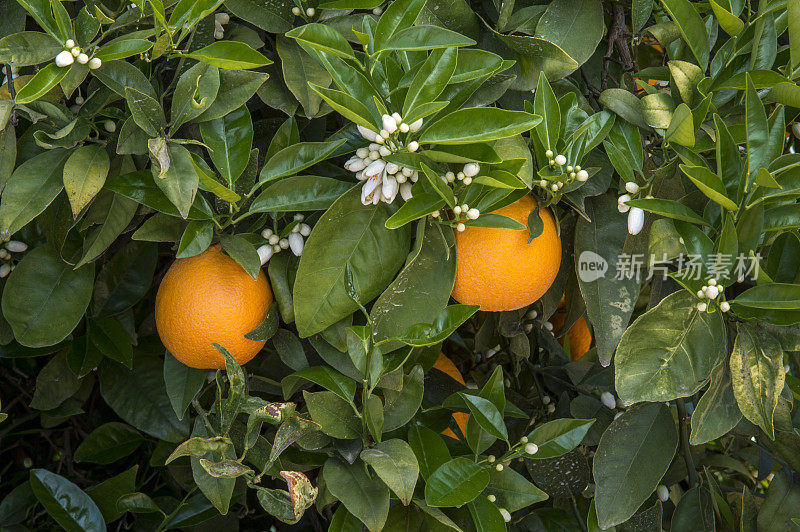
<point>578,516</point>
<point>694,478</point>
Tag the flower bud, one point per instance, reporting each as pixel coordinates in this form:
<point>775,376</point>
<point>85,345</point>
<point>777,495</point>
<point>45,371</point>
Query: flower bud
<point>450,177</point>
<point>64,59</point>
<point>368,133</point>
<point>548,326</point>
<point>377,11</point>
<point>549,154</point>
<point>635,221</point>
<point>75,51</point>
<point>631,187</point>
<point>82,58</point>
<point>284,243</point>
<point>405,191</point>
<point>5,269</point>
<point>374,168</point>
<point>607,398</point>
<point>712,282</point>
<point>531,448</point>
<point>305,229</point>
<point>582,175</point>
<point>222,18</point>
<point>15,246</point>
<point>460,227</point>
<point>491,497</point>
<point>560,160</point>
<point>392,168</point>
<point>532,314</point>
<point>414,126</point>
<point>471,169</point>
<point>404,128</point>
<point>499,467</point>
<point>311,11</point>
<point>266,233</point>
<point>296,243</point>
<point>413,146</point>
<point>701,294</point>
<point>265,253</point>
<point>473,213</point>
<point>273,239</point>
<point>383,151</point>
<point>390,189</point>
<point>663,493</point>
<point>110,126</point>
<point>296,11</point>
<point>69,43</point>
<point>712,292</point>
<point>95,63</point>
<point>397,118</point>
<point>506,515</point>
<point>724,306</point>
<point>362,153</point>
<point>276,248</point>
<point>389,125</point>
<point>702,307</point>
<point>467,180</point>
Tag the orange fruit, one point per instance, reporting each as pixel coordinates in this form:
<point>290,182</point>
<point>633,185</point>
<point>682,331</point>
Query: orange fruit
<point>210,298</point>
<point>497,268</point>
<point>446,366</point>
<point>579,336</point>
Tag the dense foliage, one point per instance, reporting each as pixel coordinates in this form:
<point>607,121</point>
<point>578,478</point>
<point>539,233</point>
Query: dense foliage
<point>341,145</point>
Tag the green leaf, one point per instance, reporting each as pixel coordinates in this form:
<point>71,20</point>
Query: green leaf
<point>300,193</point>
<point>108,443</point>
<point>757,130</point>
<point>398,16</point>
<point>395,464</point>
<point>196,238</point>
<point>669,351</point>
<point>512,490</point>
<point>142,188</point>
<point>572,26</point>
<point>297,157</point>
<point>478,124</point>
<point>179,182</point>
<point>437,182</point>
<point>425,37</point>
<point>669,208</point>
<point>783,498</point>
<point>117,212</point>
<point>429,448</point>
<point>486,515</point>
<point>106,494</point>
<point>757,374</point>
<point>448,320</point>
<point>243,252</point>
<point>323,38</point>
<point>695,511</point>
<point>346,105</point>
<point>71,507</point>
<point>84,175</point>
<point>402,405</point>
<point>431,79</point>
<point>231,55</point>
<point>364,497</point>
<point>55,383</point>
<point>775,296</point>
<point>625,104</point>
<point>28,48</point>
<point>229,140</point>
<point>146,112</point>
<point>195,92</point>
<point>430,269</point>
<point>139,397</point>
<point>709,184</point>
<point>559,437</point>
<point>455,483</point>
<point>111,339</point>
<point>269,15</point>
<point>420,205</point>
<point>121,49</point>
<point>236,87</point>
<point>730,23</point>
<point>41,83</point>
<point>545,104</point>
<point>328,378</point>
<point>634,454</point>
<point>609,301</point>
<point>691,27</point>
<point>124,279</point>
<point>119,75</point>
<point>334,415</point>
<point>681,127</point>
<point>353,234</point>
<point>45,298</point>
<point>716,413</point>
<point>486,414</point>
<point>182,384</point>
<point>299,71</point>
<point>30,189</point>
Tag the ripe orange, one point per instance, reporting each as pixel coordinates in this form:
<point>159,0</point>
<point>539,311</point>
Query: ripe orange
<point>579,336</point>
<point>210,298</point>
<point>446,365</point>
<point>497,268</point>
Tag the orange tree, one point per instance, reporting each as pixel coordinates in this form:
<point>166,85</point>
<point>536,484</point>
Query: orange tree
<point>415,265</point>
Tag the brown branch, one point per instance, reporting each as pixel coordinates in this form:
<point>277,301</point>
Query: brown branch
<point>618,37</point>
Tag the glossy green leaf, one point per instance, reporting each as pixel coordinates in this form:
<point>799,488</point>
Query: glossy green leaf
<point>40,84</point>
<point>559,437</point>
<point>108,443</point>
<point>296,158</point>
<point>229,140</point>
<point>716,412</point>
<point>691,27</point>
<point>85,173</point>
<point>122,48</point>
<point>479,124</point>
<point>394,463</point>
<point>455,483</point>
<point>323,38</point>
<point>28,48</point>
<point>446,322</point>
<point>146,112</point>
<point>231,55</point>
<point>364,497</point>
<point>70,506</point>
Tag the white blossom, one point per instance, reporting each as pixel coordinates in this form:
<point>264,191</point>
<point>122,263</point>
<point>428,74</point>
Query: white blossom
<point>607,398</point>
<point>15,246</point>
<point>414,126</point>
<point>296,243</point>
<point>724,306</point>
<point>663,493</point>
<point>635,221</point>
<point>368,134</point>
<point>64,59</point>
<point>405,191</point>
<point>265,253</point>
<point>389,124</point>
<point>95,63</point>
<point>631,187</point>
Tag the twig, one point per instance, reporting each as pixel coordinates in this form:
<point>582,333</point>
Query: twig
<point>617,39</point>
<point>578,516</point>
<point>683,417</point>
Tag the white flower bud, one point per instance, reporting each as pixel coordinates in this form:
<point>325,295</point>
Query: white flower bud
<point>405,191</point>
<point>702,307</point>
<point>491,458</point>
<point>374,168</point>
<point>635,221</point>
<point>460,227</point>
<point>631,187</point>
<point>374,155</point>
<point>311,11</point>
<point>222,18</point>
<point>460,176</point>
<point>532,314</point>
<point>724,306</point>
<point>414,176</point>
<point>110,126</point>
<point>524,439</point>
<point>712,282</point>
<point>471,169</point>
<point>473,213</point>
<point>392,168</point>
<point>554,187</point>
<point>546,398</point>
<point>457,210</point>
<point>284,243</point>
<point>296,228</point>
<point>4,254</point>
<point>607,398</point>
<point>547,325</point>
<point>95,63</point>
<point>531,448</point>
<point>82,58</point>
<point>273,239</point>
<point>265,253</point>
<point>582,175</point>
<point>625,198</point>
<point>384,134</point>
<point>572,175</point>
<point>663,493</point>
<point>413,146</point>
<point>383,151</point>
<point>79,99</point>
<point>390,189</point>
<point>414,126</point>
<point>389,125</point>
<point>712,292</point>
<point>435,214</point>
<point>528,327</point>
<point>362,153</point>
<point>506,515</point>
<point>296,11</point>
<point>299,217</point>
<point>404,128</point>
<point>69,43</point>
<point>64,59</point>
<point>266,233</point>
<point>276,248</point>
<point>491,497</point>
<point>549,154</point>
<point>701,294</point>
<point>499,467</point>
<point>560,160</point>
<point>75,51</point>
<point>407,172</point>
<point>450,177</point>
<point>623,208</point>
<point>400,178</point>
<point>296,243</point>
<point>464,208</point>
<point>368,133</point>
<point>467,180</point>
<point>305,229</point>
<point>377,11</point>
<point>5,269</point>
<point>356,166</point>
<point>15,246</point>
<point>397,118</point>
